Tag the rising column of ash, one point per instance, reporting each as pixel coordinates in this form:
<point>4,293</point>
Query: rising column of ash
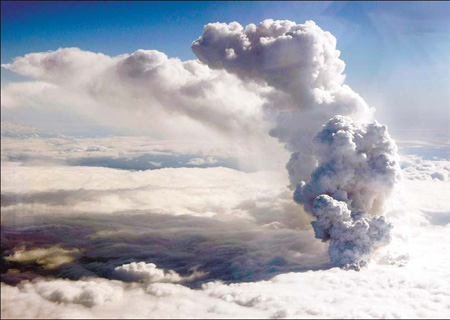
<point>357,171</point>
<point>342,172</point>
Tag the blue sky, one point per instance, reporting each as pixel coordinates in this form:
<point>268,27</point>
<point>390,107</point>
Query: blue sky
<point>386,45</point>
<point>117,27</point>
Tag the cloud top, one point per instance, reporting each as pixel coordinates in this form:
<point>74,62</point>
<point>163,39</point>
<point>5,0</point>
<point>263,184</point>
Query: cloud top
<point>301,63</point>
<point>148,272</point>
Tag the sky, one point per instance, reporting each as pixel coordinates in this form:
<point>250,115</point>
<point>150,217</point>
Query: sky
<point>225,159</point>
<point>396,52</point>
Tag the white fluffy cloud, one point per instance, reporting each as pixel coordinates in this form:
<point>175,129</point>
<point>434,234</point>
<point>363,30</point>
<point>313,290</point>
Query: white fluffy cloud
<point>150,273</point>
<point>414,167</point>
<point>143,89</point>
<point>200,161</point>
<point>49,258</point>
<point>175,191</point>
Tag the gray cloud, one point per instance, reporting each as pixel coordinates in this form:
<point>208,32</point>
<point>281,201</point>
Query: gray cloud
<point>301,62</point>
<point>358,169</point>
<point>348,163</point>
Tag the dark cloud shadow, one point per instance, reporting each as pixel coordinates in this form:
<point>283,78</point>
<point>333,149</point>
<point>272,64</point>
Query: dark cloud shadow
<point>231,251</point>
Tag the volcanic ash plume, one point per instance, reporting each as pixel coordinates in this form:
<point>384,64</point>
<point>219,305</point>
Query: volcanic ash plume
<point>357,171</point>
<point>343,174</point>
<point>301,64</point>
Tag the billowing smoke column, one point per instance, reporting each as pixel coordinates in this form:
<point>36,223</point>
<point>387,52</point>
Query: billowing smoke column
<point>344,173</point>
<point>357,171</point>
<point>301,63</point>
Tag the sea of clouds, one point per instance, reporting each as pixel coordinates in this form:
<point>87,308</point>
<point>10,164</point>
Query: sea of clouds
<point>245,159</point>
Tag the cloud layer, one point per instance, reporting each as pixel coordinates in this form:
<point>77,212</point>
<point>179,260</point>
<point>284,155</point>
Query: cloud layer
<point>198,220</point>
<point>419,289</point>
<point>244,252</point>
